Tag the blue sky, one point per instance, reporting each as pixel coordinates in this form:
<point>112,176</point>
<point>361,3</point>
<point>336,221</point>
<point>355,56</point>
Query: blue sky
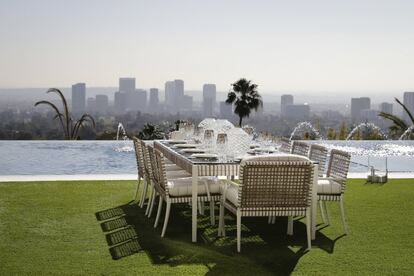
<point>297,46</point>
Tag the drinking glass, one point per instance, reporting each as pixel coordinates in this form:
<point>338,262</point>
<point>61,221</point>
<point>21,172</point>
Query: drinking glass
<point>208,138</point>
<point>221,146</point>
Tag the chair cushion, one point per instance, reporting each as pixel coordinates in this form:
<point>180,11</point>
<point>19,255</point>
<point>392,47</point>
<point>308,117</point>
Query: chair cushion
<point>177,174</point>
<point>328,187</point>
<point>183,186</point>
<point>172,167</point>
<point>232,191</point>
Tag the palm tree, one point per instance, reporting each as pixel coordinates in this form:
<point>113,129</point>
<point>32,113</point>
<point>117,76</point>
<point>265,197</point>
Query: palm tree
<point>399,125</point>
<point>245,97</point>
<point>150,132</point>
<point>70,129</point>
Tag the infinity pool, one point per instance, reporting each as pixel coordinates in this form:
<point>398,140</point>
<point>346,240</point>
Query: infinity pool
<point>117,157</point>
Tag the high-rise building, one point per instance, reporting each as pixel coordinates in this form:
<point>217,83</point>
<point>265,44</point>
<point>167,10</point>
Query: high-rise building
<point>179,89</point>
<point>174,92</point>
<point>120,102</point>
<point>226,110</point>
<point>78,98</point>
<point>102,104</point>
<point>169,94</point>
<point>127,84</point>
<point>91,105</point>
<point>409,103</point>
<point>357,105</point>
<point>141,99</point>
<point>386,107</point>
<point>209,99</point>
<point>153,100</point>
<point>285,100</point>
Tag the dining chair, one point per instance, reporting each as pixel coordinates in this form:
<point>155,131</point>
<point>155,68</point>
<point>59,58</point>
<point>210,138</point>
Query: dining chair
<point>172,170</point>
<point>285,146</point>
<point>332,187</point>
<point>300,148</point>
<point>318,153</point>
<point>272,185</point>
<point>174,191</point>
<point>140,168</point>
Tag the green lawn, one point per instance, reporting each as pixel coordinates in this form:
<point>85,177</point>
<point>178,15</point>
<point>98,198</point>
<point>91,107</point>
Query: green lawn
<point>94,228</point>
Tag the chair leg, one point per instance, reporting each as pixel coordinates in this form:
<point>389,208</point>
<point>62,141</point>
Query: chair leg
<point>158,212</point>
<point>201,207</point>
<point>149,201</point>
<point>290,226</point>
<point>308,228</point>
<point>212,214</point>
<point>167,216</point>
<point>341,206</point>
<point>154,195</point>
<point>144,193</point>
<point>137,189</point>
<point>322,211</point>
<point>238,231</point>
<point>221,219</point>
<point>328,221</point>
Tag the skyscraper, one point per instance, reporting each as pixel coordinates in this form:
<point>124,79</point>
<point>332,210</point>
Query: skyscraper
<point>102,104</point>
<point>285,100</point>
<point>127,84</point>
<point>409,103</point>
<point>169,94</point>
<point>153,100</point>
<point>78,98</point>
<point>386,107</point>
<point>120,102</point>
<point>209,99</point>
<point>91,105</point>
<point>357,105</point>
<point>174,92</point>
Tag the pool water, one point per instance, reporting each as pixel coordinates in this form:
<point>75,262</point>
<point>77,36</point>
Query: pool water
<point>117,157</point>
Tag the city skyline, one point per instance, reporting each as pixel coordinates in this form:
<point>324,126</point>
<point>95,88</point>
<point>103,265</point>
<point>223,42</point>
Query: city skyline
<point>319,47</point>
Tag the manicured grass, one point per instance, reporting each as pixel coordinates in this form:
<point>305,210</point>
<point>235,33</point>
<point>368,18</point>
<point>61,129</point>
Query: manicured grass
<point>93,228</point>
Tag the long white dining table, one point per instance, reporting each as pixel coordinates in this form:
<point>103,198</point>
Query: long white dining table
<point>197,168</point>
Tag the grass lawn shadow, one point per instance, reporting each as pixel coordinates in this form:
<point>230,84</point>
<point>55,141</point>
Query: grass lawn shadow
<point>128,231</point>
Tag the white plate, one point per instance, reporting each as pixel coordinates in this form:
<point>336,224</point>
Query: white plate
<point>186,146</point>
<point>205,155</point>
<point>176,141</point>
<point>193,150</point>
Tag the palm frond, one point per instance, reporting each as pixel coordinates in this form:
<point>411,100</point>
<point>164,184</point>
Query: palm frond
<point>65,107</point>
<point>395,119</point>
<point>406,110</point>
<point>58,115</point>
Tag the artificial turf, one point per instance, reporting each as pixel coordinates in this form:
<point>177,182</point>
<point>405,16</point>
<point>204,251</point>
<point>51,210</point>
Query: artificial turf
<point>92,227</point>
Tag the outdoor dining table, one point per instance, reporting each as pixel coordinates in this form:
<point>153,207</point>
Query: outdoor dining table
<point>202,167</point>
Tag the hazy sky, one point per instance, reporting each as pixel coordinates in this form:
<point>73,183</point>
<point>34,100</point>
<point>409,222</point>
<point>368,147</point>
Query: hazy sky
<point>298,46</point>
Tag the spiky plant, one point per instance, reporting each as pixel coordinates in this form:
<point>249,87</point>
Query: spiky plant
<point>69,127</point>
<point>245,97</point>
<point>399,126</point>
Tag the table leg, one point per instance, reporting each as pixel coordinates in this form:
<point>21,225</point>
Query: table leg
<point>194,203</point>
<point>314,208</point>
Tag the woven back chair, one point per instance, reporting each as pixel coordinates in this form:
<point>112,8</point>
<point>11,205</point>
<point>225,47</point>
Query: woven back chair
<point>162,183</point>
<point>273,185</point>
<point>139,156</point>
<point>333,187</point>
<point>286,146</point>
<point>318,153</point>
<point>339,166</point>
<point>300,148</point>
